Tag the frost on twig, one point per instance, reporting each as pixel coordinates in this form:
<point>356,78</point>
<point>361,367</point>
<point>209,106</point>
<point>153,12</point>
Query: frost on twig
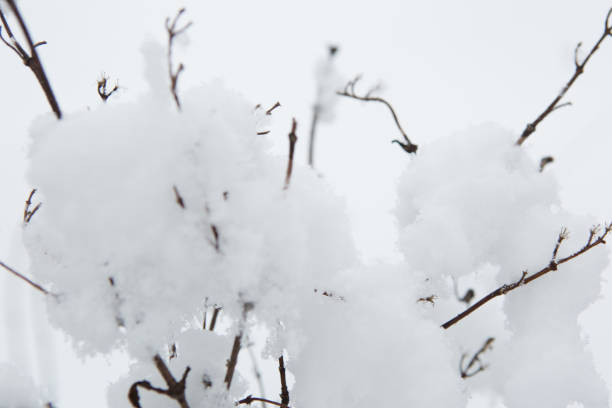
<point>579,70</point>
<point>103,91</point>
<point>173,31</point>
<point>475,364</point>
<point>30,59</point>
<point>175,390</point>
<point>27,213</point>
<point>525,279</point>
<point>349,91</point>
<point>292,140</point>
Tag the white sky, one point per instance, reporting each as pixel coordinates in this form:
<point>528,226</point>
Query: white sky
<point>445,65</point>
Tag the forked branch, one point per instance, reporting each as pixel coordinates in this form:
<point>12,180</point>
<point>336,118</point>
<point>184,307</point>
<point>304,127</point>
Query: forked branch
<point>175,390</point>
<point>579,70</point>
<point>103,91</point>
<point>349,91</point>
<point>27,212</point>
<point>475,364</point>
<point>173,32</point>
<point>525,278</point>
<point>30,59</point>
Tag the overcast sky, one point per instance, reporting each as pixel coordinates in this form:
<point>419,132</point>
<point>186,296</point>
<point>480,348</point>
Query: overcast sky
<point>445,65</point>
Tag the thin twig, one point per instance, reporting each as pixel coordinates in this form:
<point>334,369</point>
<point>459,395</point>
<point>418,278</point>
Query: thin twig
<point>27,214</point>
<point>103,92</point>
<point>213,321</point>
<point>292,140</point>
<point>178,197</point>
<point>250,399</point>
<point>467,372</point>
<point>173,31</point>
<point>276,105</point>
<point>175,390</point>
<point>545,161</point>
<point>349,91</point>
<point>233,360</point>
<point>524,279</point>
<point>22,277</point>
<point>579,70</point>
<point>31,59</point>
<point>313,132</point>
<point>429,299</point>
<point>284,390</point>
<point>256,371</point>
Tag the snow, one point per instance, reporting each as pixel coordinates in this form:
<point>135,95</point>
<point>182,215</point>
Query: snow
<point>152,214</point>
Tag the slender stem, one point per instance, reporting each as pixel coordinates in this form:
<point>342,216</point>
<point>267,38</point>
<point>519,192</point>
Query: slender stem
<point>524,280</point>
<point>313,133</point>
<point>22,277</point>
<point>531,127</point>
<point>32,61</point>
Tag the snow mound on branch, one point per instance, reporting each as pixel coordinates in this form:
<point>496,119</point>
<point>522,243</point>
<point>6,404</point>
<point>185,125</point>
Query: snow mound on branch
<point>476,199</point>
<point>129,264</point>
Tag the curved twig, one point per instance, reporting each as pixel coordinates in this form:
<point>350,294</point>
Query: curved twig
<point>349,91</point>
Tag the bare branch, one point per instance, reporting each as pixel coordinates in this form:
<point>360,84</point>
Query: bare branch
<point>173,31</point>
<point>545,161</point>
<point>179,198</point>
<point>579,70</point>
<point>22,277</point>
<point>233,360</point>
<point>269,111</point>
<point>524,280</point>
<point>284,390</point>
<point>349,91</point>
<point>292,140</point>
<point>250,399</point>
<point>27,214</point>
<point>103,92</point>
<point>31,59</point>
<point>470,370</point>
<point>175,390</point>
<point>429,299</point>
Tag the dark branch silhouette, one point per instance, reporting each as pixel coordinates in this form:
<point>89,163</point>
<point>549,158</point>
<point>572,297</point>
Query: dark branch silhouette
<point>178,197</point>
<point>526,279</point>
<point>31,59</point>
<point>554,105</point>
<point>475,365</point>
<point>173,31</point>
<point>349,91</point>
<point>175,390</point>
<point>284,390</point>
<point>292,140</point>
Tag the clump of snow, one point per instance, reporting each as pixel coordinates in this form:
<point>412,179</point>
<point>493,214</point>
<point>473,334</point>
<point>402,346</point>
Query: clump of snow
<point>476,199</point>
